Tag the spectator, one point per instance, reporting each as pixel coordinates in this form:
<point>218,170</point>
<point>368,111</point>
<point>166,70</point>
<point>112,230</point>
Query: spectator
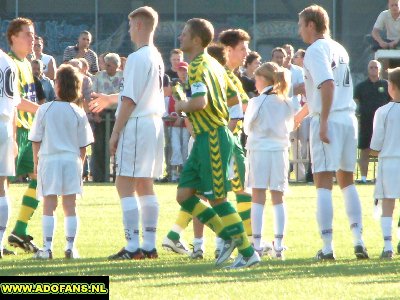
<point>102,63</point>
<point>298,58</point>
<point>278,56</point>
<point>123,62</point>
<point>81,49</point>
<point>390,21</point>
<point>369,95</point>
<point>85,68</point>
<point>47,84</point>
<point>49,63</point>
<point>106,82</point>
<point>252,62</point>
<point>176,56</point>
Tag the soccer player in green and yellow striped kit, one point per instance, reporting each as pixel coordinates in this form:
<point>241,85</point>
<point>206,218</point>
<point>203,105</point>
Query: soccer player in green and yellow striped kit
<point>206,170</point>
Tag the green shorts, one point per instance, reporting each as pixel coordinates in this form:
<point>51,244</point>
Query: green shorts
<point>206,169</point>
<point>239,167</point>
<point>24,162</point>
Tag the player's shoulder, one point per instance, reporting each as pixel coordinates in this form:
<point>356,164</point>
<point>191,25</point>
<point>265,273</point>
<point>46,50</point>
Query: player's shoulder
<point>384,109</point>
<point>78,110</point>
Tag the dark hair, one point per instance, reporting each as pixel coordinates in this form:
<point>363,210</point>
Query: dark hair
<point>232,37</point>
<point>201,28</point>
<point>302,52</point>
<point>218,52</point>
<point>175,51</point>
<point>15,27</point>
<point>253,55</point>
<point>278,49</point>
<point>69,83</point>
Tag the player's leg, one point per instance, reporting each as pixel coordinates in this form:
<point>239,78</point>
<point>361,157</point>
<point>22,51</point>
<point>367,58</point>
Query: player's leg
<point>257,217</point>
<point>386,226</point>
<point>19,236</point>
<point>4,211</point>
<point>149,210</point>
<point>363,163</point>
<point>130,219</point>
<point>198,240</point>
<point>48,227</point>
<point>70,225</point>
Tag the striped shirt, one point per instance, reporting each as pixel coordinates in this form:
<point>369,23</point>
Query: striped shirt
<point>208,78</point>
<point>26,86</point>
<point>72,52</point>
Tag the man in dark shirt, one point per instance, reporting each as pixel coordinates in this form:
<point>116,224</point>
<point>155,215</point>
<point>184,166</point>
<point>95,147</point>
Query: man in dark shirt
<point>176,56</point>
<point>369,95</point>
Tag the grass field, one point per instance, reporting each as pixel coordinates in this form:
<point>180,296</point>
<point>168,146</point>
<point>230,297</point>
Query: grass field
<point>177,277</point>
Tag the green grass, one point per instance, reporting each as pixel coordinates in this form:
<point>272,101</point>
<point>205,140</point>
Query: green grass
<point>173,276</point>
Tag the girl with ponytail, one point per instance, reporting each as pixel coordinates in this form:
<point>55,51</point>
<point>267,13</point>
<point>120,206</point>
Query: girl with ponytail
<point>268,122</point>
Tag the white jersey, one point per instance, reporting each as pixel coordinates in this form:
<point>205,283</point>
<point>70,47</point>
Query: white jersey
<point>326,60</point>
<point>143,82</point>
<point>9,95</point>
<point>386,134</point>
<point>46,60</point>
<point>61,127</point>
<point>268,122</point>
<point>297,77</point>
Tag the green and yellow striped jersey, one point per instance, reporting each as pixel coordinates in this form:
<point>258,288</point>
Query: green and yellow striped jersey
<point>208,78</point>
<point>243,96</point>
<point>26,86</point>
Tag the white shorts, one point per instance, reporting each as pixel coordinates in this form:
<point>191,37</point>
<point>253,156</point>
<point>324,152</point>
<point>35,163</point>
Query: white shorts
<point>59,174</point>
<point>140,148</point>
<point>7,159</point>
<point>388,178</point>
<point>341,152</point>
<point>267,170</point>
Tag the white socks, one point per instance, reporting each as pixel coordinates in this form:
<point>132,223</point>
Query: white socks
<point>48,226</point>
<point>279,225</point>
<point>4,216</point>
<point>353,210</point>
<point>70,227</point>
<point>257,211</point>
<point>386,225</point>
<point>149,213</point>
<point>325,217</point>
<point>130,219</point>
<point>198,243</point>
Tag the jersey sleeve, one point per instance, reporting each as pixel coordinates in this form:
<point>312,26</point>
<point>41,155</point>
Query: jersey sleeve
<point>378,133</point>
<point>85,132</point>
<point>198,89</point>
<point>231,90</point>
<point>319,66</point>
<point>380,21</point>
<point>136,75</point>
<point>37,129</point>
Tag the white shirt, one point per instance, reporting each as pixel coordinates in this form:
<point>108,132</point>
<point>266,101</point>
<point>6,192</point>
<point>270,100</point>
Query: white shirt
<point>386,134</point>
<point>268,122</point>
<point>9,93</point>
<point>325,60</point>
<point>392,26</point>
<point>46,60</point>
<point>297,77</point>
<point>61,127</point>
<point>143,82</point>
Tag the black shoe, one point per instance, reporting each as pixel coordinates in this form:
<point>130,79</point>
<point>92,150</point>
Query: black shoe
<point>386,254</point>
<point>152,254</point>
<point>322,256</point>
<point>125,254</point>
<point>23,242</point>
<point>361,252</point>
<point>8,252</point>
<point>70,254</point>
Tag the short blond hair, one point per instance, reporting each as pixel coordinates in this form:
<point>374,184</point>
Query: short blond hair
<point>148,14</point>
<point>394,77</point>
<point>278,76</point>
<point>318,16</point>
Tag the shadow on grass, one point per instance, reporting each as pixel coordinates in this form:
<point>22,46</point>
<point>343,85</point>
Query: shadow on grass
<point>170,268</point>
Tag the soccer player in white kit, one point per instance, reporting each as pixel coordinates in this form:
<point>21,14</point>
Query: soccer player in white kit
<point>137,139</point>
<point>60,134</point>
<point>385,139</point>
<point>333,131</point>
<point>9,99</point>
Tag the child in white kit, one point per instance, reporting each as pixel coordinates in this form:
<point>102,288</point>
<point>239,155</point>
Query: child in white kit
<point>268,122</point>
<point>385,143</point>
<point>60,134</point>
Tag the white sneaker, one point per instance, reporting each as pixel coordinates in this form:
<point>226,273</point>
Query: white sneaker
<point>197,251</point>
<point>175,246</point>
<point>43,254</point>
<point>245,262</point>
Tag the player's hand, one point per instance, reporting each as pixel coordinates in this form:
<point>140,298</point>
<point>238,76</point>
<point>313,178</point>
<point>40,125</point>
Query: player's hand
<point>15,149</point>
<point>113,143</point>
<point>99,103</point>
<point>323,132</point>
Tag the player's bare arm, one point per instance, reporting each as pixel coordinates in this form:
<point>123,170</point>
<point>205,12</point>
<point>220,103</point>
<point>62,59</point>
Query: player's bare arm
<point>125,111</point>
<point>28,106</point>
<point>195,104</point>
<point>299,89</point>
<point>82,153</point>
<point>102,101</point>
<point>232,101</point>
<point>35,150</point>
<point>299,117</point>
<point>327,88</point>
